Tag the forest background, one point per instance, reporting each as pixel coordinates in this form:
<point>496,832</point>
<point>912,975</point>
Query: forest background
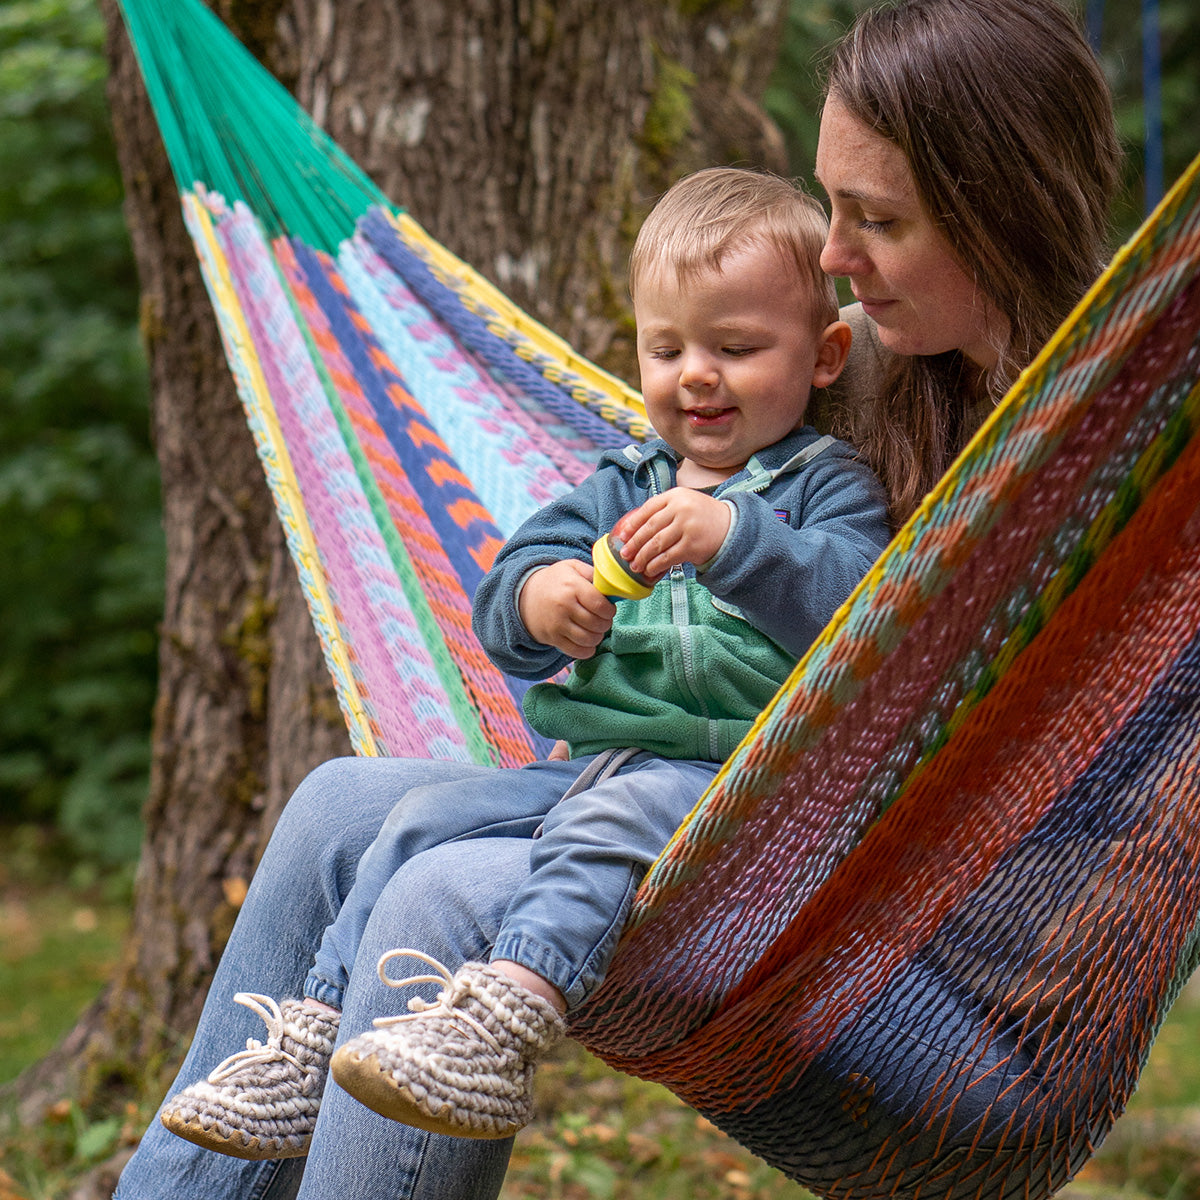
<point>81,545</point>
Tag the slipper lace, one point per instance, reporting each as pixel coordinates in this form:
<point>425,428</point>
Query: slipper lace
<point>445,1004</point>
<point>257,1052</point>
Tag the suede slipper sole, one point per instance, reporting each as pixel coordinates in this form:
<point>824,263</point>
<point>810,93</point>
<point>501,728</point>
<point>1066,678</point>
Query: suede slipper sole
<point>236,1145</point>
<point>370,1084</point>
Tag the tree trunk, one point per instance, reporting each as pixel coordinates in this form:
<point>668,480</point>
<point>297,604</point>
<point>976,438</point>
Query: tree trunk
<point>531,139</point>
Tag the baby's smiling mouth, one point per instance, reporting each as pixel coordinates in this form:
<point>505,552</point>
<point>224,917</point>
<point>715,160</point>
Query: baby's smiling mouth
<point>705,416</point>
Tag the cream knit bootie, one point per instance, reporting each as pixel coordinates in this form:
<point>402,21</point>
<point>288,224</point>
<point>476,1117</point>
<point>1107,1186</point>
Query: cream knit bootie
<point>462,1065</point>
<point>261,1102</point>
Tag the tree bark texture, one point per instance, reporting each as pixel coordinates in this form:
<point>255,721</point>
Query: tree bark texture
<point>530,138</point>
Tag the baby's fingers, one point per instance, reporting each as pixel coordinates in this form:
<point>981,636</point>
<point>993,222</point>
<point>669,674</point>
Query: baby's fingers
<point>580,641</point>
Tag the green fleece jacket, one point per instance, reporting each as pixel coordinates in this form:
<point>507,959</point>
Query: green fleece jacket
<point>684,672</point>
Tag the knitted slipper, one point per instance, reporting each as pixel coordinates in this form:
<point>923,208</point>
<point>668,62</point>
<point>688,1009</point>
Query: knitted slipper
<point>462,1065</point>
<point>261,1102</point>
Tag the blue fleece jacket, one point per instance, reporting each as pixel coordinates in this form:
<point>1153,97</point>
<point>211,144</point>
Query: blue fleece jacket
<point>684,672</point>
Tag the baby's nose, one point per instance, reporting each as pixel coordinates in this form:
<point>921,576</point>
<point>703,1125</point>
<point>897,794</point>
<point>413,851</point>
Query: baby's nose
<point>698,371</point>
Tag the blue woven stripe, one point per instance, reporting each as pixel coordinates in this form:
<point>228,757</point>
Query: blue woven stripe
<point>475,335</point>
<point>414,460</point>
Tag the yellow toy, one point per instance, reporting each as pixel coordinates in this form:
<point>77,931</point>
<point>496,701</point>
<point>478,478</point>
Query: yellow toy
<point>612,575</point>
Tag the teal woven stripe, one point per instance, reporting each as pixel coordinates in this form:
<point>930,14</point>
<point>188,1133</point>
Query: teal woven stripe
<point>228,124</point>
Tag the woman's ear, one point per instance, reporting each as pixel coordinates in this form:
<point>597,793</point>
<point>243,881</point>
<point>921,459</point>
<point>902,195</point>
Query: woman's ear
<point>833,348</point>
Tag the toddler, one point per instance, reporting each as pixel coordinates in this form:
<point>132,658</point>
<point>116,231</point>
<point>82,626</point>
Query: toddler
<point>749,530</point>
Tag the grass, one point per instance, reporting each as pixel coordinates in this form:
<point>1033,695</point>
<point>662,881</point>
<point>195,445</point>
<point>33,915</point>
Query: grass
<point>598,1136</point>
<point>61,926</point>
<point>60,931</point>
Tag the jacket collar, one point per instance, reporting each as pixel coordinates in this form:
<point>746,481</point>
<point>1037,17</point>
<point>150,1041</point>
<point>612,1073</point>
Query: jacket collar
<point>772,460</point>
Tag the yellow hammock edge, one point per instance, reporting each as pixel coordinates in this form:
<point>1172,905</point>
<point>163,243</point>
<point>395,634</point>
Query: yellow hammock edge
<point>474,287</point>
<point>255,396</point>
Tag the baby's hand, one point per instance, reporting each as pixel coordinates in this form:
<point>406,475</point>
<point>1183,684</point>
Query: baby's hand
<point>682,525</point>
<point>561,607</point>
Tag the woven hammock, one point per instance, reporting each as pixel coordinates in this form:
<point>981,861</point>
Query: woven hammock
<point>919,935</point>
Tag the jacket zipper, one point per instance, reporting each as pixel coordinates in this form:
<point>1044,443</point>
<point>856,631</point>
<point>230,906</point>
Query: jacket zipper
<point>679,618</point>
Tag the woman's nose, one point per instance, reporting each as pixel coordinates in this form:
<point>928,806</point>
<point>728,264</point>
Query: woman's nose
<point>839,255</point>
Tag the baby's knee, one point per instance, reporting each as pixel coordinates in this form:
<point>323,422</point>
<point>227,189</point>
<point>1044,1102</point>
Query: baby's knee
<point>448,901</point>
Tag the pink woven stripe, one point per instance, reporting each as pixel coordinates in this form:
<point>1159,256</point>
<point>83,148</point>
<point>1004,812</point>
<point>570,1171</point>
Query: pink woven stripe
<point>395,675</point>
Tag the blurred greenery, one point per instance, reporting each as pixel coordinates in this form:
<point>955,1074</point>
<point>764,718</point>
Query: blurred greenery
<point>79,513</point>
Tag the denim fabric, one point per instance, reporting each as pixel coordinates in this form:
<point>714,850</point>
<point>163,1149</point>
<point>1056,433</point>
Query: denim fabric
<point>305,874</point>
<point>441,883</point>
<point>564,920</point>
<point>482,804</point>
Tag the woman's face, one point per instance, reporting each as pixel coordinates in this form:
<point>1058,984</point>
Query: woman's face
<point>899,265</point>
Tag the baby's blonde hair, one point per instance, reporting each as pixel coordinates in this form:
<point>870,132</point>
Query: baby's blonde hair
<point>718,210</point>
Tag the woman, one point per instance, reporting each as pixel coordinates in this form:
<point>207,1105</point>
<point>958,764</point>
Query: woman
<point>969,153</point>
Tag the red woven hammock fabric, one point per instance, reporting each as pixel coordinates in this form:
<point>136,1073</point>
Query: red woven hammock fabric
<point>932,961</point>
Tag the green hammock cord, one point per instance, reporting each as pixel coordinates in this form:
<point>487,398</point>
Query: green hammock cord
<point>228,124</point>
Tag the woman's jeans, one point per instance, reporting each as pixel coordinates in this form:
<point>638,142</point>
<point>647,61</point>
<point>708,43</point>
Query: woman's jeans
<point>447,899</point>
<point>589,853</point>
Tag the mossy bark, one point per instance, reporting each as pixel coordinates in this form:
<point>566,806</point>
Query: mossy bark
<point>529,137</point>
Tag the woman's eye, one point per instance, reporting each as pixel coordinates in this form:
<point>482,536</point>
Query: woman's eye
<point>869,226</point>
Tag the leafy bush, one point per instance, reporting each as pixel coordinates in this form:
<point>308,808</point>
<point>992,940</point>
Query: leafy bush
<point>80,541</point>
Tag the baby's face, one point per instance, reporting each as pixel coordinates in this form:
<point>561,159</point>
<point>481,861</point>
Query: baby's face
<point>727,357</point>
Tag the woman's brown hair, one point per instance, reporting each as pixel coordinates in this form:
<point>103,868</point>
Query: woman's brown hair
<point>1006,121</point>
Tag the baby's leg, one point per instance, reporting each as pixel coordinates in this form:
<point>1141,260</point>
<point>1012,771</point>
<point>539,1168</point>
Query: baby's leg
<point>488,803</point>
<point>306,872</point>
<point>465,1064</point>
<point>564,921</point>
<point>447,903</point>
<point>262,1102</point>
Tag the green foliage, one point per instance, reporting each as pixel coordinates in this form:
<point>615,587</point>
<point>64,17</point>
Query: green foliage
<point>794,96</point>
<point>79,528</point>
<point>1121,54</point>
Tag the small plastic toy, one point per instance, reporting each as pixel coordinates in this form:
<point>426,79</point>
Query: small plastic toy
<point>612,575</point>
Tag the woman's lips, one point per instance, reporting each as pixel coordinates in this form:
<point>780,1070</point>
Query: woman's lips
<point>873,307</point>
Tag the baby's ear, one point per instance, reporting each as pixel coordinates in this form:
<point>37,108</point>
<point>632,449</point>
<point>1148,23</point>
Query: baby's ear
<point>833,348</point>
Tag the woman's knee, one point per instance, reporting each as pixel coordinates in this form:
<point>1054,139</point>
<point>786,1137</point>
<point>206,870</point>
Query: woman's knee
<point>323,793</point>
<point>322,832</point>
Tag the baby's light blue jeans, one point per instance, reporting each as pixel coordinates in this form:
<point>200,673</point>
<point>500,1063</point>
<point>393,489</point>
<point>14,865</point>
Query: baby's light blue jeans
<point>448,897</point>
<point>587,856</point>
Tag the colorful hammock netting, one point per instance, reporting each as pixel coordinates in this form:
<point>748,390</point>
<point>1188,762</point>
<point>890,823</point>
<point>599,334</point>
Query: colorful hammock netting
<point>918,937</point>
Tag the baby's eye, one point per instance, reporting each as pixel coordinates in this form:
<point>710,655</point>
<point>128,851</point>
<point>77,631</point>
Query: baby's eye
<point>738,351</point>
<point>664,352</point>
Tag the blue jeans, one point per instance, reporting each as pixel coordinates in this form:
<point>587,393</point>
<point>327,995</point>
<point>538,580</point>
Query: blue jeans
<point>589,855</point>
<point>305,874</point>
<point>448,899</point>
